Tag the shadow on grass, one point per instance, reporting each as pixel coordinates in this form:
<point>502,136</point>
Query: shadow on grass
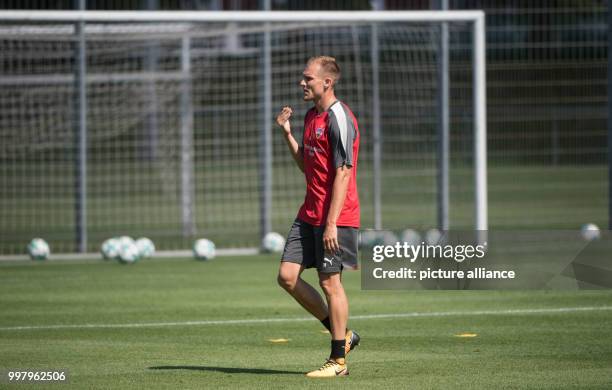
<point>227,370</point>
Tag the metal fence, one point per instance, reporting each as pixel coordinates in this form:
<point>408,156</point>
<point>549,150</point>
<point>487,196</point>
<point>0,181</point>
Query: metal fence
<point>546,79</point>
<point>176,115</point>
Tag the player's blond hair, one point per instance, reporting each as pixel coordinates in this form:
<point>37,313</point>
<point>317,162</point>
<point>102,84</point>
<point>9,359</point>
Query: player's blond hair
<point>328,65</point>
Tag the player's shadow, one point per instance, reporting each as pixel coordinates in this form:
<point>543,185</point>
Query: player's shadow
<point>227,370</point>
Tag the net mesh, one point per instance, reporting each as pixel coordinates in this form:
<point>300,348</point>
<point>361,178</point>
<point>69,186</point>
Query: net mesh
<point>140,91</point>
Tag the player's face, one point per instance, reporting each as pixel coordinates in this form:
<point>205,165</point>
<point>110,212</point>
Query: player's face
<point>312,82</point>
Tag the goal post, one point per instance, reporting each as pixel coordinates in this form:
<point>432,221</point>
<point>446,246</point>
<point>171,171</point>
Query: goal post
<point>202,56</point>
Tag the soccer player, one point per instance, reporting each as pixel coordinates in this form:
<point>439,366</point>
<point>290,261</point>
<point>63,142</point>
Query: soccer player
<point>325,232</point>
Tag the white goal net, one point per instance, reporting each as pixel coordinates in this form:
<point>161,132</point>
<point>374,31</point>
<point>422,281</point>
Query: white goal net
<point>179,135</point>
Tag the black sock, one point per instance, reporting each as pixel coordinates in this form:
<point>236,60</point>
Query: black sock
<point>326,323</point>
<point>337,349</point>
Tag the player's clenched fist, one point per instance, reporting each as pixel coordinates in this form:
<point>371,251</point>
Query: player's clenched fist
<point>283,118</point>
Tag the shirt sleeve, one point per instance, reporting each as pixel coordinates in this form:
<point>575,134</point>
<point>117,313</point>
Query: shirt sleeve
<point>341,136</point>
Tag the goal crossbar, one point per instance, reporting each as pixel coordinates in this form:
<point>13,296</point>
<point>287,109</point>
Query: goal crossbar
<point>244,16</point>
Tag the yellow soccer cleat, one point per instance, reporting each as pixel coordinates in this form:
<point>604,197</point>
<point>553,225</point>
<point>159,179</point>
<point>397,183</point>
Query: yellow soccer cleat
<point>330,369</point>
<point>351,341</point>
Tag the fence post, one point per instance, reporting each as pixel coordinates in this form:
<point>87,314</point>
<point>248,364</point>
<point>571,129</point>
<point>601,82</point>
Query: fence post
<point>377,5</point>
<point>80,131</point>
<point>187,180</point>
<point>266,133</point>
<point>443,123</point>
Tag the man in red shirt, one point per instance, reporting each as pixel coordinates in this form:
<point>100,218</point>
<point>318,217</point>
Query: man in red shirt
<point>325,232</point>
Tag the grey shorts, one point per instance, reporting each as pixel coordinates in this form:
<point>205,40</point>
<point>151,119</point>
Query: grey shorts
<point>305,246</point>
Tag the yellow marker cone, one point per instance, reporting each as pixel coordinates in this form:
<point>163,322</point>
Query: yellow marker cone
<point>466,335</point>
<point>278,341</point>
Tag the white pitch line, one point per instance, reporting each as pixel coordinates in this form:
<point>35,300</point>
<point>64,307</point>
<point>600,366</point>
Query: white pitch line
<point>299,319</point>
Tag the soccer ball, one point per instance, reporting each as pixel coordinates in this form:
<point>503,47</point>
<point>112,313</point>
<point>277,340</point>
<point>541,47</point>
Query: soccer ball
<point>433,237</point>
<point>370,238</point>
<point>145,246</point>
<point>204,249</point>
<point>128,252</point>
<point>387,237</point>
<point>125,240</point>
<point>38,249</point>
<point>110,249</point>
<point>590,232</point>
<point>367,238</point>
<point>273,242</point>
<point>411,237</point>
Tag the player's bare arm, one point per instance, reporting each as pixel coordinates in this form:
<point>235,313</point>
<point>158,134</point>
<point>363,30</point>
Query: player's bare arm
<point>282,119</point>
<point>339,189</point>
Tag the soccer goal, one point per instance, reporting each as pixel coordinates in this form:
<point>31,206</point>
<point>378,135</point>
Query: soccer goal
<point>161,123</point>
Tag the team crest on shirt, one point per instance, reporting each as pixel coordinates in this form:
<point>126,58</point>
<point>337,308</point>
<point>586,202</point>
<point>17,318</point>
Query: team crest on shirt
<point>319,132</point>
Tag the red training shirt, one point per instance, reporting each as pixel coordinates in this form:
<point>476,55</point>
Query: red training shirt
<point>331,140</point>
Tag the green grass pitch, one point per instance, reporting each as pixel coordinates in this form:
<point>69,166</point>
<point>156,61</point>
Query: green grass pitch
<point>186,324</point>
